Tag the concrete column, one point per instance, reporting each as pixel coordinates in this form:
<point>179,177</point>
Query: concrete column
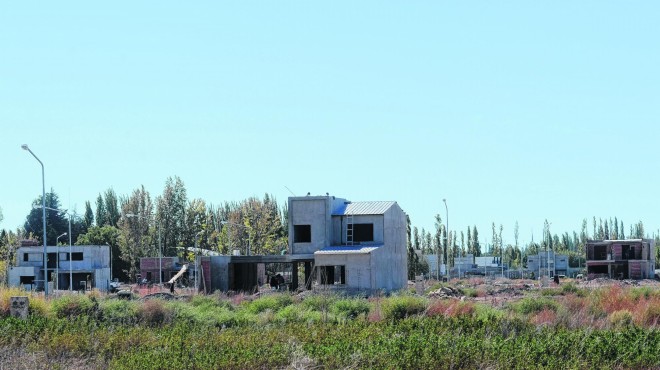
<point>294,276</point>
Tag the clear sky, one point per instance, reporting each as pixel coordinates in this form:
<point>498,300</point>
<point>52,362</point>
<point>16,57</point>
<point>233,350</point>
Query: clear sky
<point>512,111</point>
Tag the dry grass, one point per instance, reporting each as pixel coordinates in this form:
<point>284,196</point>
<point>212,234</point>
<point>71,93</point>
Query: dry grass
<point>450,308</point>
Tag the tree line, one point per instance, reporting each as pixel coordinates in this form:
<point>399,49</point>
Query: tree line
<point>453,244</point>
<point>138,225</point>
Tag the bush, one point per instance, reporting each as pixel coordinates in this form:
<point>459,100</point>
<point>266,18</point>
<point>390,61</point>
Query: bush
<point>651,315</point>
<point>38,306</point>
<point>119,311</point>
<point>350,308</point>
<point>154,313</point>
<point>73,305</point>
<point>531,305</point>
<point>289,313</point>
<point>570,288</point>
<point>451,308</point>
<point>318,302</point>
<point>621,319</point>
<point>551,292</point>
<point>271,302</point>
<point>399,307</point>
<point>470,292</point>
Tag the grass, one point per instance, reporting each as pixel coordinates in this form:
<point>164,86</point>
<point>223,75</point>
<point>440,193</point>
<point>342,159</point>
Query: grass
<point>605,328</point>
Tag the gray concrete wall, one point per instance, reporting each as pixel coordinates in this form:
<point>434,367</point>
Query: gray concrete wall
<point>314,211</point>
<point>94,256</point>
<point>16,272</point>
<point>394,263</point>
<point>358,268</point>
<point>220,273</point>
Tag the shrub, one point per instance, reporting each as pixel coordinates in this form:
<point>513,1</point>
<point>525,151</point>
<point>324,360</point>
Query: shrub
<point>119,311</point>
<point>570,288</point>
<point>153,312</point>
<point>208,302</point>
<point>544,317</point>
<point>350,308</point>
<point>72,305</point>
<point>271,302</point>
<point>643,292</point>
<point>551,291</point>
<point>40,307</point>
<point>470,292</point>
<point>451,308</point>
<point>318,302</point>
<point>651,315</point>
<point>531,305</point>
<point>621,319</point>
<point>289,313</point>
<point>399,307</point>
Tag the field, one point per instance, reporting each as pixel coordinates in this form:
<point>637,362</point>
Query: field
<point>476,324</point>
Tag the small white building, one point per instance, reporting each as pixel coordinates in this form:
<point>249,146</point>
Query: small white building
<point>83,266</point>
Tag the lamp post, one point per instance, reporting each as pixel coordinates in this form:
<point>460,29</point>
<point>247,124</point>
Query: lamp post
<point>43,205</point>
<point>57,262</point>
<point>447,236</point>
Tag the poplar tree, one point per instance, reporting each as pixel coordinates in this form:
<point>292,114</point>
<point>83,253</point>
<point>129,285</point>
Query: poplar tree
<point>101,214</point>
<point>88,220</point>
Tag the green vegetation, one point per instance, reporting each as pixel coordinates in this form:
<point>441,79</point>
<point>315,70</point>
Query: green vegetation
<point>605,328</point>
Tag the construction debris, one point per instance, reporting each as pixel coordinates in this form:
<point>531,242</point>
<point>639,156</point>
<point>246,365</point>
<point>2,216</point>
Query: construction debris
<point>446,292</point>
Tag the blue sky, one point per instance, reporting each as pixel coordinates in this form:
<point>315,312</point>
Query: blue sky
<point>512,111</point>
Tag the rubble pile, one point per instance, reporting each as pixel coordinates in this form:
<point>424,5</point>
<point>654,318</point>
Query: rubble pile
<point>445,292</point>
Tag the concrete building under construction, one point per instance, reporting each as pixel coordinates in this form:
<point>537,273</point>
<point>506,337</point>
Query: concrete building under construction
<point>621,259</point>
<point>340,245</point>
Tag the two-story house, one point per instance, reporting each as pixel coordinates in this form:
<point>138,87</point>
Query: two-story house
<point>355,245</point>
<point>621,259</point>
<point>76,267</point>
<point>336,244</point>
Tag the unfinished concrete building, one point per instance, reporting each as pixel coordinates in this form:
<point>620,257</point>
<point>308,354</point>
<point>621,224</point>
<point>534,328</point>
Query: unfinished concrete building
<point>76,267</point>
<point>621,259</point>
<point>341,245</point>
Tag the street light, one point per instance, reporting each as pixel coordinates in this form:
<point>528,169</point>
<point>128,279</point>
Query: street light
<point>447,236</point>
<point>160,247</point>
<point>43,204</point>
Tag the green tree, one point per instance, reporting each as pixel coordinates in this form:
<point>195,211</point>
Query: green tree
<point>416,241</point>
<point>56,223</point>
<point>438,238</point>
<point>105,235</point>
<point>476,248</point>
<point>111,207</point>
<point>88,220</point>
<point>101,213</point>
<point>170,215</point>
<point>138,234</point>
<point>516,234</point>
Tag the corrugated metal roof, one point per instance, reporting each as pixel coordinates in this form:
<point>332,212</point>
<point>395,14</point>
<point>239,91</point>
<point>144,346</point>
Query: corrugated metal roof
<point>363,208</point>
<point>348,249</point>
